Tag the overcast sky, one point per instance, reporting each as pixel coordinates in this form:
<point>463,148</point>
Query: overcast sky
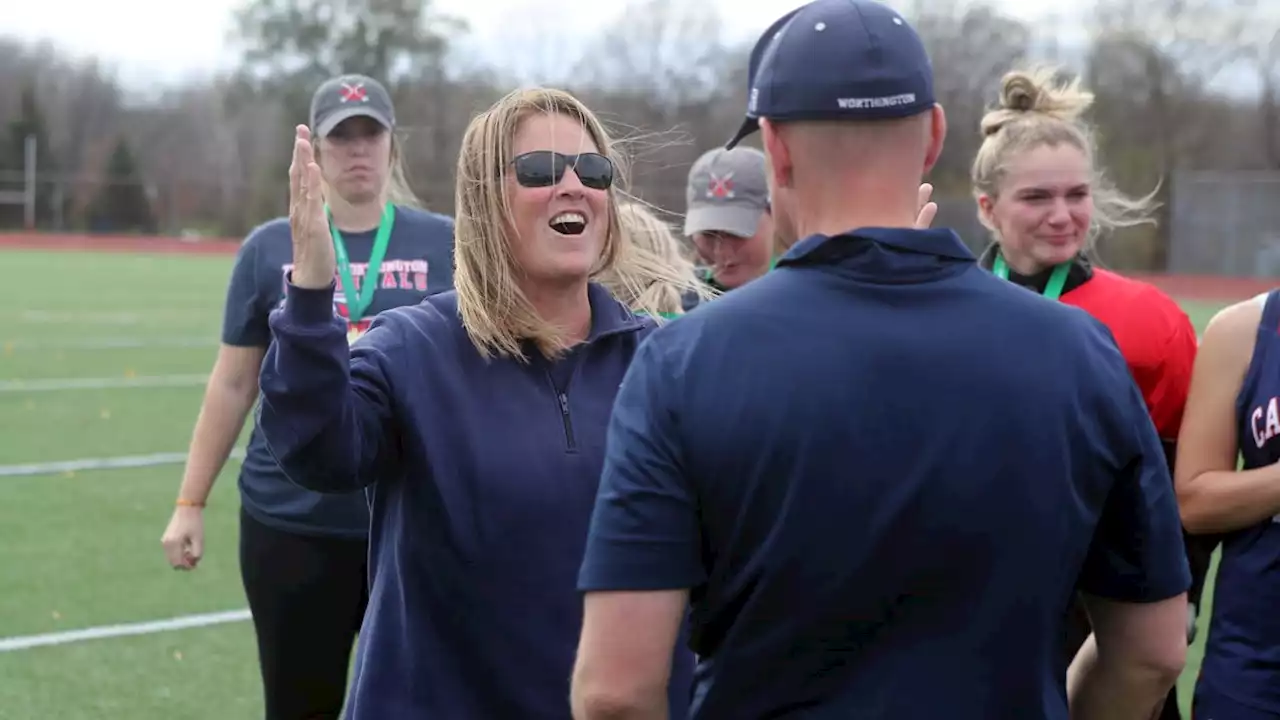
<point>162,41</point>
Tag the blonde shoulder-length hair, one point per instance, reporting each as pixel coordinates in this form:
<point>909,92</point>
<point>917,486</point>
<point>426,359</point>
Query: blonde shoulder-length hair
<point>650,240</point>
<point>496,313</point>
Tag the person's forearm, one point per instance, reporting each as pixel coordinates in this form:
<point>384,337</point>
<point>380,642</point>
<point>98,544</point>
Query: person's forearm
<point>596,708</point>
<point>1100,690</point>
<point>323,436</point>
<point>218,425</point>
<point>1227,500</point>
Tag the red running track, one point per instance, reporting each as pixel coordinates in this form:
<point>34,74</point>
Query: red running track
<point>1186,287</point>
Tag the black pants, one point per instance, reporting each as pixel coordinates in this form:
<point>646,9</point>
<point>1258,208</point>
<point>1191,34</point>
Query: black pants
<point>307,595</point>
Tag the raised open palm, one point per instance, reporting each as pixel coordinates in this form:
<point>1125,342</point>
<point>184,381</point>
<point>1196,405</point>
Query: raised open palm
<point>313,260</point>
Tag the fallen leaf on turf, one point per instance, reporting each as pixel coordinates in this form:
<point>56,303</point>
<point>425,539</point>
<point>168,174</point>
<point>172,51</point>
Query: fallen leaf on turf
<point>8,348</point>
<point>129,373</point>
<point>56,615</point>
<point>105,414</point>
<point>177,654</point>
<point>29,405</point>
<point>69,474</point>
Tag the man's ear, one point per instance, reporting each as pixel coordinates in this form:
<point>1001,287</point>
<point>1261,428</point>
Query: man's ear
<point>777,153</point>
<point>937,137</point>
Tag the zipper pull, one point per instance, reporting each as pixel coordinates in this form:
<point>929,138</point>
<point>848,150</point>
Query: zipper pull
<point>564,404</point>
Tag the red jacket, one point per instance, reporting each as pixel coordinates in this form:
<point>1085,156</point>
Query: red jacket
<point>1155,336</point>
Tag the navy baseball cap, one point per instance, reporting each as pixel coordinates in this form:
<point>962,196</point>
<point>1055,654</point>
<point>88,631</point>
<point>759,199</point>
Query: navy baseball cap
<point>837,60</point>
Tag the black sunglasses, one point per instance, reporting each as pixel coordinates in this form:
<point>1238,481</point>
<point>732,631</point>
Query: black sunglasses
<point>544,168</point>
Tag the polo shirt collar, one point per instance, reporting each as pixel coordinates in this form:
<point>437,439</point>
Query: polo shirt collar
<point>938,242</point>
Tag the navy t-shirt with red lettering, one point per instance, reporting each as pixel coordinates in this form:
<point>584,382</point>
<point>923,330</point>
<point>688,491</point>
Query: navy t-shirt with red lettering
<point>418,262</point>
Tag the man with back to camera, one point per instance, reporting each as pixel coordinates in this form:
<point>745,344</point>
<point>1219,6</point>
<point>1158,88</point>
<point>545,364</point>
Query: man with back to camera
<point>727,217</point>
<point>878,473</point>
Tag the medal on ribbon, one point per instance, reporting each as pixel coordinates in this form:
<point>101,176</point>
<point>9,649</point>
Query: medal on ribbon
<point>357,301</point>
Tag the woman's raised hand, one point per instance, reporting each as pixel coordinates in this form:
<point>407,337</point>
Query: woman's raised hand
<point>314,265</point>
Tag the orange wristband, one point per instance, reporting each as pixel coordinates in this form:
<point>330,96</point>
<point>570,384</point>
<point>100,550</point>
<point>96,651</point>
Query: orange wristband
<point>189,503</point>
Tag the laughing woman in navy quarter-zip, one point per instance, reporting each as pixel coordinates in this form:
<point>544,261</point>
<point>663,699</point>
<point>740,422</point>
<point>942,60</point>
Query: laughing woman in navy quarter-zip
<point>477,419</point>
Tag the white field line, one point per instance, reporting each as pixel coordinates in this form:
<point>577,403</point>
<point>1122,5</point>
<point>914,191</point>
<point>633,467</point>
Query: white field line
<point>110,343</point>
<point>107,463</point>
<point>56,317</point>
<point>101,383</point>
<point>183,622</point>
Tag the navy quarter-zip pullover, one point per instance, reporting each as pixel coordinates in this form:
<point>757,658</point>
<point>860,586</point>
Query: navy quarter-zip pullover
<point>883,473</point>
<point>483,475</point>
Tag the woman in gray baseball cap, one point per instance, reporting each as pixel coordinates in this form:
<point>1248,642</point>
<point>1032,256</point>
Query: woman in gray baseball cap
<point>302,553</point>
<point>727,216</point>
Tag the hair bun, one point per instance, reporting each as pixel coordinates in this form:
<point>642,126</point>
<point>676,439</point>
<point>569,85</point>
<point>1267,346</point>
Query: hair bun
<point>1036,92</point>
<point>1019,93</point>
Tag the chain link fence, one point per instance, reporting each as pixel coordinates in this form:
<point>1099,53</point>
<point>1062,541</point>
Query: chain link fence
<point>1225,224</point>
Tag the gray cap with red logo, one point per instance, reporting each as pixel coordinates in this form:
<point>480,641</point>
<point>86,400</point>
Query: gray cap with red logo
<point>728,192</point>
<point>350,96</point>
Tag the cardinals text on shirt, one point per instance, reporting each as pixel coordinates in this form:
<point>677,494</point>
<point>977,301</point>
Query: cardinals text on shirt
<point>1264,421</point>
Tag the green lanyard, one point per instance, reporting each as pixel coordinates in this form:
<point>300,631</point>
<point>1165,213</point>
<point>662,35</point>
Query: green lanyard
<point>1052,289</point>
<point>357,305</point>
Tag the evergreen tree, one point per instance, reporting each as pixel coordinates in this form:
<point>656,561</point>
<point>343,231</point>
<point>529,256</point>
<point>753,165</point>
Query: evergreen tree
<point>122,205</point>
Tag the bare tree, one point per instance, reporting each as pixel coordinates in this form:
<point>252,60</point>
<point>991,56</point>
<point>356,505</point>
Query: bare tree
<point>1201,36</point>
<point>1261,48</point>
<point>972,47</point>
<point>386,39</point>
<point>1269,69</point>
<point>665,50</point>
<point>1154,58</point>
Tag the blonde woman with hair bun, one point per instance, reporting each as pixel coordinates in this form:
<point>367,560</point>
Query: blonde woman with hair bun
<point>652,241</point>
<point>475,420</point>
<point>1041,192</point>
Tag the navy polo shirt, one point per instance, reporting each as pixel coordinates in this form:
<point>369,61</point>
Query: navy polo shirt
<point>883,473</point>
